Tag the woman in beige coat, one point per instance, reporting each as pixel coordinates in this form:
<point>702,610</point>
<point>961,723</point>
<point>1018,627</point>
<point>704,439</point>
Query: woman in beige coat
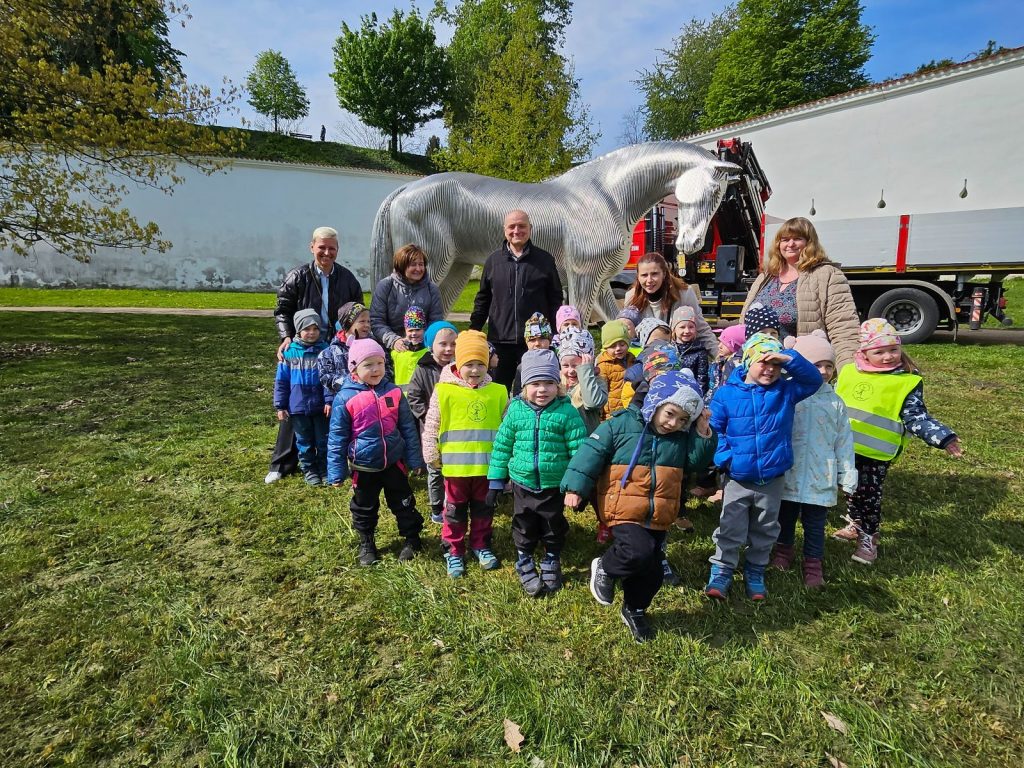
<point>806,290</point>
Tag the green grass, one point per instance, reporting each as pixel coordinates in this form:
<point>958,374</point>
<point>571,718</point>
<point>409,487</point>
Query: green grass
<point>161,606</point>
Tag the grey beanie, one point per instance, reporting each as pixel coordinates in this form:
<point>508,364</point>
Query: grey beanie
<point>305,318</point>
<point>539,365</point>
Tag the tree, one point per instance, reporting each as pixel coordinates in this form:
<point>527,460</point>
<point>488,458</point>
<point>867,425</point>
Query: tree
<point>525,122</point>
<point>273,89</point>
<point>676,89</point>
<point>76,130</point>
<point>392,76</point>
<point>787,52</point>
<point>633,131</point>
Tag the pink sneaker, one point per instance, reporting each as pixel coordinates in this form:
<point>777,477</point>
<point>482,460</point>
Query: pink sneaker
<point>867,549</point>
<point>849,532</point>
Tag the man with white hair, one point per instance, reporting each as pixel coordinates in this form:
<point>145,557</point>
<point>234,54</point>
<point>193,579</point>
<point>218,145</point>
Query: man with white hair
<point>321,285</point>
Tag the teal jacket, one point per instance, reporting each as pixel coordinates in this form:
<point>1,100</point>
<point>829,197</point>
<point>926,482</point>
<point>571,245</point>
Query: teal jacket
<point>533,446</point>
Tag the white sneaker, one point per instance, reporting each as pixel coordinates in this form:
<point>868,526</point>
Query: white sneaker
<point>272,477</point>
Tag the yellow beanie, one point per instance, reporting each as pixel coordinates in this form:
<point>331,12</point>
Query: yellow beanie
<point>471,345</point>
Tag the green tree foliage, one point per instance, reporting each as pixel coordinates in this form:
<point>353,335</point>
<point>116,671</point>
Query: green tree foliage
<point>92,101</point>
<point>676,89</point>
<point>273,89</point>
<point>525,121</point>
<point>393,75</point>
<point>787,52</point>
<point>990,49</point>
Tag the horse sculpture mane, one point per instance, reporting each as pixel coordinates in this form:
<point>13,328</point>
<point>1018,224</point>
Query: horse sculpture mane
<point>584,217</point>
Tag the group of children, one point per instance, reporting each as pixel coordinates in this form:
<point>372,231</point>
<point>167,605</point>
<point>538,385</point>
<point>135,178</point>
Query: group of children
<point>627,431</point>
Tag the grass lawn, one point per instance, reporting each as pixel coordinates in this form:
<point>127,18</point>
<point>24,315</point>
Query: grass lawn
<point>162,606</point>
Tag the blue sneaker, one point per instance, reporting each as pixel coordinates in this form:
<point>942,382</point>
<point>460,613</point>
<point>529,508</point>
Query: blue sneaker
<point>753,581</point>
<point>719,582</point>
<point>488,560</point>
<point>437,516</point>
<point>551,572</point>
<point>528,576</point>
<point>456,566</point>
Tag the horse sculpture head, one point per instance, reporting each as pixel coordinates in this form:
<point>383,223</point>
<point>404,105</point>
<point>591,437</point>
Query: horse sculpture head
<point>699,192</point>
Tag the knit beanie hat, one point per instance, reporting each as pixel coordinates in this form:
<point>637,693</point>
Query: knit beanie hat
<point>567,312</point>
<point>647,326</point>
<point>814,346</point>
<point>537,327</point>
<point>683,314</point>
<point>538,365</point>
<point>678,388</point>
<point>575,342</point>
<point>759,317</point>
<point>471,345</point>
<point>305,318</point>
<point>759,345</point>
<point>611,332</point>
<point>362,349</point>
<point>876,332</point>
<point>733,337</point>
<point>415,318</point>
<point>348,312</point>
<point>430,335</point>
<point>630,313</point>
<point>660,357</point>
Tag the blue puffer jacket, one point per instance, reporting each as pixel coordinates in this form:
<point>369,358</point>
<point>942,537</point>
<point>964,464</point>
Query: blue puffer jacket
<point>755,423</point>
<point>297,386</point>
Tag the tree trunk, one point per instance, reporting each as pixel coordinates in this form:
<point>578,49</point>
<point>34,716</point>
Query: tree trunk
<point>393,144</point>
<point>275,124</point>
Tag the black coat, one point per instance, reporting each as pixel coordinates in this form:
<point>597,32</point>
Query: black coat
<point>300,289</point>
<point>511,290</point>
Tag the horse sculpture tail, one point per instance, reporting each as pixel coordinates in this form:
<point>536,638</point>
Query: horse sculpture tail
<point>382,250</point>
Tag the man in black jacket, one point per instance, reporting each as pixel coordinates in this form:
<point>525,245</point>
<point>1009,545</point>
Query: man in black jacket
<point>518,279</point>
<point>321,285</point>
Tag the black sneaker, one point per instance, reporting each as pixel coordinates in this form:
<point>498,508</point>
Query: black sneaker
<point>412,546</point>
<point>528,576</point>
<point>602,586</point>
<point>368,552</point>
<point>668,576</point>
<point>636,620</point>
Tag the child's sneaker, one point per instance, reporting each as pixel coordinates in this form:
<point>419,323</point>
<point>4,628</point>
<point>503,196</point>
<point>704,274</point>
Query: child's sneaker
<point>636,620</point>
<point>487,559</point>
<point>528,576</point>
<point>849,532</point>
<point>753,581</point>
<point>551,572</point>
<point>684,524</point>
<point>368,552</point>
<point>604,533</point>
<point>456,566</point>
<point>602,586</point>
<point>719,582</point>
<point>813,577</point>
<point>412,546</point>
<point>437,515</point>
<point>782,557</point>
<point>668,576</point>
<point>312,477</point>
<point>867,549</point>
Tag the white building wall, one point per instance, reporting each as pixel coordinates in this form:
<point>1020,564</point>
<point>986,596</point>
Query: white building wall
<point>238,230</point>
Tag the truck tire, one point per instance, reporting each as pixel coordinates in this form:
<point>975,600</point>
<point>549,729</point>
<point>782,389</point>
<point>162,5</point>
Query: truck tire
<point>912,312</point>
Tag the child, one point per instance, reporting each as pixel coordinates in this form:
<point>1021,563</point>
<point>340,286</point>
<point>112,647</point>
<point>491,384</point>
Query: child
<point>631,317</point>
<point>493,360</point>
<point>440,340</point>
<point>373,434</point>
<point>405,362</point>
<point>657,358</point>
<point>353,323</point>
<point>458,434</point>
<point>753,417</point>
<point>822,459</point>
<point>566,318</point>
<point>299,396</point>
<point>761,319</point>
<point>884,397</point>
<point>692,353</point>
<point>538,336</point>
<point>538,435</point>
<point>634,464</point>
<point>612,363</point>
<point>587,391</point>
<point>652,329</point>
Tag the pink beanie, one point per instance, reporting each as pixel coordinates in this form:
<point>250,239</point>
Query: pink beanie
<point>567,312</point>
<point>814,347</point>
<point>875,333</point>
<point>733,337</point>
<point>360,350</point>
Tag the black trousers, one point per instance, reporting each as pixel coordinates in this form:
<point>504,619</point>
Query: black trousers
<point>538,516</point>
<point>285,458</point>
<point>509,357</point>
<point>365,504</point>
<point>635,559</point>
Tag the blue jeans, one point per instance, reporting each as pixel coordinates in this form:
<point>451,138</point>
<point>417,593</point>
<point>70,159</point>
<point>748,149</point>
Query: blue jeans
<point>813,518</point>
<point>311,441</point>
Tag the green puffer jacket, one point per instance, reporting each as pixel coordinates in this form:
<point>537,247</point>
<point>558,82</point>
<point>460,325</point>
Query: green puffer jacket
<point>652,496</point>
<point>533,447</point>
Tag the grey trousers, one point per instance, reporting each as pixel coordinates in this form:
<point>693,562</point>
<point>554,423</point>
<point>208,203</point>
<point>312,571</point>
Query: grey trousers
<point>750,515</point>
<point>435,489</point>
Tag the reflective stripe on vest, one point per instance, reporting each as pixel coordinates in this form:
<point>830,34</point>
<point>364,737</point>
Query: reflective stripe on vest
<point>873,403</point>
<point>405,365</point>
<point>469,421</point>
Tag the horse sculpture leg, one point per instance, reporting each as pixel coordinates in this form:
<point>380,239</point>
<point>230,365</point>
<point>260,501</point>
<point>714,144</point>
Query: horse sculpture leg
<point>453,283</point>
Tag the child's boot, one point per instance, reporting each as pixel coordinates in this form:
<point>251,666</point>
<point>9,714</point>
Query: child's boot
<point>528,576</point>
<point>551,572</point>
<point>368,551</point>
<point>719,582</point>
<point>636,620</point>
<point>412,546</point>
<point>813,577</point>
<point>487,559</point>
<point>753,581</point>
<point>312,477</point>
<point>782,557</point>
<point>867,548</point>
<point>456,565</point>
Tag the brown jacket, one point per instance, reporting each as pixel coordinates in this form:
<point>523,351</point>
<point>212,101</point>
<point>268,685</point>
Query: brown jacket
<point>823,300</point>
<point>614,372</point>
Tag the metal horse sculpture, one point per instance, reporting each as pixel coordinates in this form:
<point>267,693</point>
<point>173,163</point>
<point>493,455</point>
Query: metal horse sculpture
<point>585,217</point>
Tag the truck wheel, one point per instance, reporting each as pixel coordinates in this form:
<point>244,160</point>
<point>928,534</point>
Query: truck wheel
<point>912,312</point>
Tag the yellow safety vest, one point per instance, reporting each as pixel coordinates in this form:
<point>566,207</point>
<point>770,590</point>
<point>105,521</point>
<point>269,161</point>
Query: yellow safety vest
<point>405,365</point>
<point>873,402</point>
<point>469,421</point>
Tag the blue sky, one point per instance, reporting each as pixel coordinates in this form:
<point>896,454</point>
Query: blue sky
<point>609,41</point>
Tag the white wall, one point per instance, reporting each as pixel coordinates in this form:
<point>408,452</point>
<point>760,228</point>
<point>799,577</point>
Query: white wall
<point>238,230</point>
